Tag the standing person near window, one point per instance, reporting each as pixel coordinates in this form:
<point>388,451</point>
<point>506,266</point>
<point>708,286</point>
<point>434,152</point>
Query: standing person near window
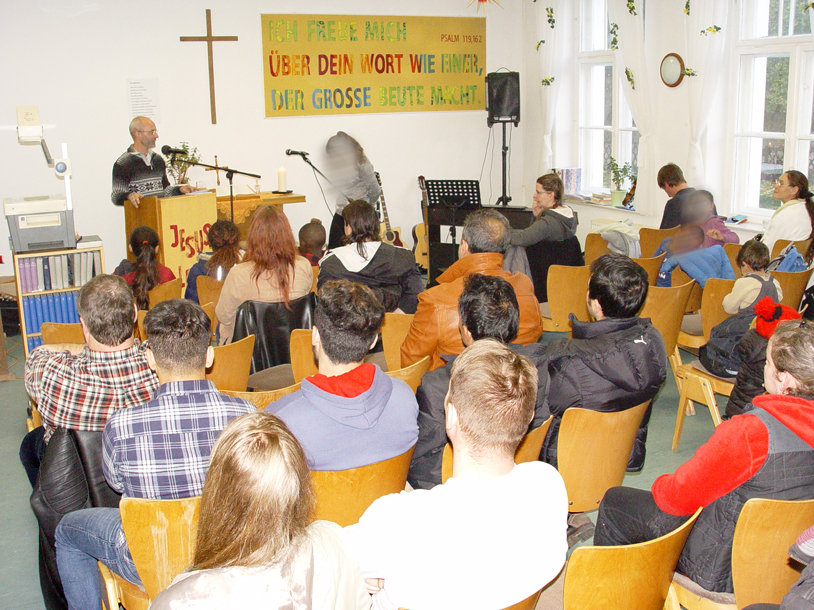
<point>271,272</point>
<point>793,219</point>
<point>223,237</point>
<point>553,221</point>
<point>355,178</point>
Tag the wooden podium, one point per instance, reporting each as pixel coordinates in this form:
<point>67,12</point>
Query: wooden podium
<point>182,224</point>
<point>245,205</point>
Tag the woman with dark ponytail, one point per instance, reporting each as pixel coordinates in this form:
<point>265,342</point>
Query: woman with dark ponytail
<point>148,272</point>
<point>794,219</point>
<point>223,237</point>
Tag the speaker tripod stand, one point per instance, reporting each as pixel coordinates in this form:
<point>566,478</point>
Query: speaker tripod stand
<point>504,199</point>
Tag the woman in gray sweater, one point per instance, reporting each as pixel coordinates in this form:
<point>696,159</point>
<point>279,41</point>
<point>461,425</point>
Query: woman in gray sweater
<point>553,221</point>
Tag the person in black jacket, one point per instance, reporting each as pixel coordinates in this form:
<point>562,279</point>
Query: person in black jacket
<point>752,353</point>
<point>671,180</point>
<point>488,309</point>
<point>389,271</point>
<point>613,364</point>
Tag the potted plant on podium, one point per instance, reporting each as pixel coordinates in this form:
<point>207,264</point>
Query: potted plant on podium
<point>177,167</point>
<point>618,176</point>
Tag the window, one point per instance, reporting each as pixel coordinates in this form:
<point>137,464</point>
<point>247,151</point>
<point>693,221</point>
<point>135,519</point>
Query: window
<point>774,130</point>
<point>606,127</point>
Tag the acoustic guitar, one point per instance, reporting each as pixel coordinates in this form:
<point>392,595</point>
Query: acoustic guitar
<point>421,244</point>
<point>389,235</point>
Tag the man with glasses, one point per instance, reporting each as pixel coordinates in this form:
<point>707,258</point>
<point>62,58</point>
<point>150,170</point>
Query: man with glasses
<point>140,172</point>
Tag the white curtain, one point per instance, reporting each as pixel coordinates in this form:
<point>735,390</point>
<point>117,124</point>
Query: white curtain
<point>705,54</point>
<point>637,54</point>
<point>550,53</point>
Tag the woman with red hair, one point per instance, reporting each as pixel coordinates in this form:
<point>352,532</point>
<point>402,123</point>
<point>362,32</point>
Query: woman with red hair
<point>272,271</point>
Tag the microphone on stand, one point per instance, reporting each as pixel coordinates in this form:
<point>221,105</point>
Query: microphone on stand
<point>301,153</point>
<point>167,150</point>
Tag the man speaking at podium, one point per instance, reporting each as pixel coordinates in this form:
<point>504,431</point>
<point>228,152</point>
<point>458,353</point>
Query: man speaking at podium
<point>140,172</point>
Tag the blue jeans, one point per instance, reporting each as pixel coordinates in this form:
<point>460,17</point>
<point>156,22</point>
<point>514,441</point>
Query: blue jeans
<point>82,538</point>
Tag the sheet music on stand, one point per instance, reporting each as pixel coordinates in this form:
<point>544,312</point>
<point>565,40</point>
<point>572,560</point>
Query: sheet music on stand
<point>456,194</point>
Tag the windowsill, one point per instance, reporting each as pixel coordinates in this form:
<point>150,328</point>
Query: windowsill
<point>599,206</point>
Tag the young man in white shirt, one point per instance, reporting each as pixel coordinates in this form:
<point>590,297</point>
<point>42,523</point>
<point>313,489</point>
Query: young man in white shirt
<point>492,535</point>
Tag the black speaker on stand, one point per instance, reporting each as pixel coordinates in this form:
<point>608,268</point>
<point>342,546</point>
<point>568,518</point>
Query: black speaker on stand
<point>503,106</point>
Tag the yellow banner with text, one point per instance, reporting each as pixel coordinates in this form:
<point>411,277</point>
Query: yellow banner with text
<point>353,64</point>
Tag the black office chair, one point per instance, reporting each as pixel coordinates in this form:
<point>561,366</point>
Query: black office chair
<point>271,324</point>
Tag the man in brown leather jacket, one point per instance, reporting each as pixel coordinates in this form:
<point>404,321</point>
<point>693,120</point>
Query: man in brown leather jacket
<point>434,330</point>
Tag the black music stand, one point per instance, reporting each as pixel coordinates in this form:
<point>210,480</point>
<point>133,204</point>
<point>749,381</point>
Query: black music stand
<point>454,195</point>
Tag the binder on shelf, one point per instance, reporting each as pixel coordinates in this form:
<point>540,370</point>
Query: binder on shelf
<point>63,307</point>
<point>65,282</point>
<point>97,263</point>
<point>40,280</point>
<point>40,314</point>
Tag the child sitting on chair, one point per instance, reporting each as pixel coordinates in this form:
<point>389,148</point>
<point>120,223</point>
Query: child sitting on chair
<point>146,273</point>
<point>688,238</point>
<point>312,241</point>
<point>702,210</point>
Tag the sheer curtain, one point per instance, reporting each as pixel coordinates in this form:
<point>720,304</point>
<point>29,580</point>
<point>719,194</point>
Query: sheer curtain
<point>550,53</point>
<point>637,54</point>
<point>705,54</point>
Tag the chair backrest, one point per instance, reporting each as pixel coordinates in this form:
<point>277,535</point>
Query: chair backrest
<point>272,324</point>
<point>629,577</point>
<point>165,292</point>
<point>315,271</point>
<point>208,289</point>
<point>528,450</point>
<point>665,307</point>
<point>54,332</point>
<point>712,303</point>
<point>230,369</point>
<point>344,495</point>
<point>140,324</point>
<point>793,286</point>
<point>394,331</point>
<point>262,399</point>
<point>412,374</point>
<point>732,251</point>
<point>592,452</point>
<point>567,290</point>
<point>302,355</point>
<point>679,278</point>
<point>209,309</point>
<point>544,254</point>
<point>761,572</point>
<point>801,245</point>
<point>652,266</point>
<point>595,246</point>
<point>161,537</point>
<point>650,239</point>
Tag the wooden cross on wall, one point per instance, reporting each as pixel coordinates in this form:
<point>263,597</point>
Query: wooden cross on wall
<point>209,39</point>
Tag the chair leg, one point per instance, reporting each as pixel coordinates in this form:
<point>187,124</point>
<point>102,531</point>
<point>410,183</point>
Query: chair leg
<point>712,404</point>
<point>675,362</point>
<point>683,402</point>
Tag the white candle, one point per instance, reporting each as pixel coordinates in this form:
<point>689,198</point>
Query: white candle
<point>281,180</point>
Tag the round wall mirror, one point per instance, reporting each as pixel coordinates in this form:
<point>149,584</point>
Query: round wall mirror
<point>672,70</point>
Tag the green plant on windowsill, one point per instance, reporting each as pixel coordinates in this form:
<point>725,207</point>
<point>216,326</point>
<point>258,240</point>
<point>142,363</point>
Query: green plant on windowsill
<point>177,167</point>
<point>619,174</point>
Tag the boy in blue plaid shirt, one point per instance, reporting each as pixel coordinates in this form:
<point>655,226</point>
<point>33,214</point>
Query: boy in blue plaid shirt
<point>159,450</point>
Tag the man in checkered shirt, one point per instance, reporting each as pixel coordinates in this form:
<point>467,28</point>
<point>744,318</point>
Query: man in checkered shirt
<point>159,450</point>
<point>79,387</point>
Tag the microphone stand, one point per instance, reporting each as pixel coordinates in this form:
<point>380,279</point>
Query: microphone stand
<point>230,173</point>
<point>328,180</point>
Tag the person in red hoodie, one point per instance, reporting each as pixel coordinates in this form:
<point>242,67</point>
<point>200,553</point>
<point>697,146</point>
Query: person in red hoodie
<point>768,452</point>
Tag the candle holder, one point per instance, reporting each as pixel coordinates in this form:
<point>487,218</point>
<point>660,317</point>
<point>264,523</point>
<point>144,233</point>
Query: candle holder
<point>282,192</point>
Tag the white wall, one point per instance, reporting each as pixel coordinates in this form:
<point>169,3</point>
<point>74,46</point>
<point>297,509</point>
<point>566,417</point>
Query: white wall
<point>73,60</point>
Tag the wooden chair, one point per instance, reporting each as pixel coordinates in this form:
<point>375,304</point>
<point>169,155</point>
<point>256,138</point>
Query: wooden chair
<point>315,271</point>
<point>629,577</point>
<point>593,449</point>
<point>161,537</point>
<point>679,278</point>
<point>793,286</point>
<point>801,245</point>
<point>527,451</point>
<point>230,370</point>
<point>698,386</point>
<point>567,290</point>
<point>165,292</point>
<point>53,332</point>
<point>344,495</point>
<point>302,355</point>
<point>761,570</point>
<point>262,399</point>
<point>665,307</point>
<point>412,374</point>
<point>650,239</point>
<point>595,246</point>
<point>732,251</point>
<point>652,266</point>
<point>209,308</point>
<point>208,289</point>
<point>712,312</point>
<point>394,331</point>
<point>140,324</point>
